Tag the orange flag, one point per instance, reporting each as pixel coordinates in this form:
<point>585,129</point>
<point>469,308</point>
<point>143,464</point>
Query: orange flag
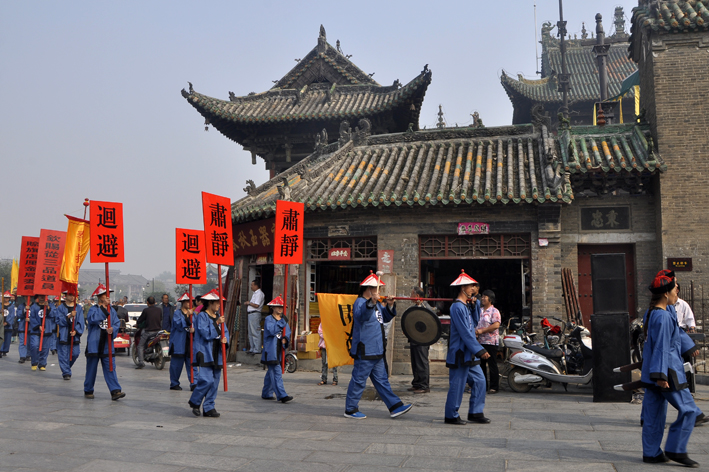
<point>78,237</point>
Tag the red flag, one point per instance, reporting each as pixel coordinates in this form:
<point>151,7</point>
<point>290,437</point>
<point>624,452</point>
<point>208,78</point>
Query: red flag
<point>106,220</point>
<point>49,262</point>
<point>218,231</point>
<point>28,266</point>
<point>288,244</point>
<point>190,252</point>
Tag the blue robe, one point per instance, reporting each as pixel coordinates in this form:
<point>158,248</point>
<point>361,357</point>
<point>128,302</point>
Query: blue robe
<point>179,347</point>
<point>10,317</point>
<point>23,347</point>
<point>207,355</point>
<point>463,360</point>
<point>271,356</point>
<point>662,360</point>
<point>368,349</point>
<point>37,313</point>
<point>97,345</point>
<point>67,354</point>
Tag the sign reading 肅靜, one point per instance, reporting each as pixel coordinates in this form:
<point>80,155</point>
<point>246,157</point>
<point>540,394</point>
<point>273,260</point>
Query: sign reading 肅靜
<point>218,229</point>
<point>106,222</point>
<point>190,257</point>
<point>288,244</point>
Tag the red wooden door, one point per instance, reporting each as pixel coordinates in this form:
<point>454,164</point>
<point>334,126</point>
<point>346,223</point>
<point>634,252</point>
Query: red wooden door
<point>585,279</point>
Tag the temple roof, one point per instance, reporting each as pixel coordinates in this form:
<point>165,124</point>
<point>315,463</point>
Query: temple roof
<point>669,16</point>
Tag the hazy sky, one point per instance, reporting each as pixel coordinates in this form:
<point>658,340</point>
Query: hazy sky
<point>92,108</point>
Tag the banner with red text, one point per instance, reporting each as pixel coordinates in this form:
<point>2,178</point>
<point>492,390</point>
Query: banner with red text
<point>49,262</point>
<point>107,243</point>
<point>218,231</point>
<point>190,260</point>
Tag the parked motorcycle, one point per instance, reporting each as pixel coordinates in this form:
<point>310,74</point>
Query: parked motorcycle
<point>156,348</point>
<point>533,366</point>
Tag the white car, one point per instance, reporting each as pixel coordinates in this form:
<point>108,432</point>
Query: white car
<point>134,311</point>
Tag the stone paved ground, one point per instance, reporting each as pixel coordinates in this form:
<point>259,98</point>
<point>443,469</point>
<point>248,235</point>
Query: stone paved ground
<point>46,424</point>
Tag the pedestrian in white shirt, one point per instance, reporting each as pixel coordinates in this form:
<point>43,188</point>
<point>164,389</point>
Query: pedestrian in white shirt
<point>254,313</point>
<point>685,316</point>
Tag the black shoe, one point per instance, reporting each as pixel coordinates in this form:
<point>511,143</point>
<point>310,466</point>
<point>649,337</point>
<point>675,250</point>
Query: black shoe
<point>681,458</point>
<point>117,395</point>
<point>456,420</point>
<point>21,361</point>
<point>67,377</point>
<point>54,352</point>
<point>89,396</point>
<point>192,387</point>
<point>211,414</point>
<point>700,420</point>
<point>478,418</point>
<point>659,459</point>
<point>176,387</point>
<point>286,399</point>
<point>0,355</point>
<point>267,398</point>
<point>140,366</point>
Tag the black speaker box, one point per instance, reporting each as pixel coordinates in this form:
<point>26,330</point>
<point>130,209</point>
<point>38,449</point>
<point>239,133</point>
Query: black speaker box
<point>611,349</point>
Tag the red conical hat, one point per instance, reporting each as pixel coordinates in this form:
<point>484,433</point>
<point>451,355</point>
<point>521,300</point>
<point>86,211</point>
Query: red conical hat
<point>100,290</point>
<point>212,295</point>
<point>372,280</point>
<point>7,294</point>
<point>185,297</point>
<point>463,279</point>
<point>278,301</point>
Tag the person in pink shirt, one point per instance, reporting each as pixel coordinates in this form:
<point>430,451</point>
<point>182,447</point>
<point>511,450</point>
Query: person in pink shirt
<point>489,338</point>
<point>323,353</point>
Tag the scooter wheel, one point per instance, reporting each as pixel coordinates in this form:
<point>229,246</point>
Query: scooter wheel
<point>518,387</point>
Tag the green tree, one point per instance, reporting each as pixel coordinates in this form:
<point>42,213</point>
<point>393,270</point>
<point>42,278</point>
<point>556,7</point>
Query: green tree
<point>5,271</point>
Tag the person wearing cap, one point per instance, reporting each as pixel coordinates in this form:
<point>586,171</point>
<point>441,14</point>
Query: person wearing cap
<point>664,378</point>
<point>180,342</point>
<point>368,350</point>
<point>23,347</point>
<point>53,338</point>
<point>68,329</point>
<point>8,322</point>
<point>274,342</point>
<point>99,344</point>
<point>464,355</point>
<point>40,309</point>
<point>207,355</point>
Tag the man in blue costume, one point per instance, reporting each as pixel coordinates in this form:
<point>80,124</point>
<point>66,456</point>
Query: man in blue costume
<point>664,379</point>
<point>8,322</point>
<point>464,354</point>
<point>40,309</point>
<point>207,346</point>
<point>98,341</point>
<point>274,342</point>
<point>180,342</point>
<point>368,350</point>
<point>22,322</point>
<point>70,320</point>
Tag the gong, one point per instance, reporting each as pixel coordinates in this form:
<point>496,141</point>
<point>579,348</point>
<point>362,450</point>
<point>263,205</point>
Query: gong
<point>421,325</point>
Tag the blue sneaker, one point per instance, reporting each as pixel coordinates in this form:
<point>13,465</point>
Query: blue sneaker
<point>358,415</point>
<point>401,410</point>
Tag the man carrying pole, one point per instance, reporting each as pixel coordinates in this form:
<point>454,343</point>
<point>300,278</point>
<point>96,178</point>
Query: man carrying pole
<point>181,342</point>
<point>70,319</point>
<point>9,313</point>
<point>41,326</point>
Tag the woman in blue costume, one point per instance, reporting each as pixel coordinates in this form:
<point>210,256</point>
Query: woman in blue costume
<point>274,342</point>
<point>180,342</point>
<point>464,354</point>
<point>368,349</point>
<point>207,347</point>
<point>664,379</point>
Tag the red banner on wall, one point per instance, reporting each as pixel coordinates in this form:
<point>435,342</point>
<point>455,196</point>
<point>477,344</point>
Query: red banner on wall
<point>218,233</point>
<point>28,265</point>
<point>190,257</point>
<point>288,246</point>
<point>49,262</point>
<point>254,237</point>
<point>106,220</point>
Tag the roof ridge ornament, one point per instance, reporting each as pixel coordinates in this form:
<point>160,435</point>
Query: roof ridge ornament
<point>250,187</point>
<point>322,40</point>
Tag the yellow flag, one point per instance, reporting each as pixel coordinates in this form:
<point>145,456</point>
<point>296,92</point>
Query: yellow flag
<point>77,247</point>
<point>336,314</point>
<point>14,275</point>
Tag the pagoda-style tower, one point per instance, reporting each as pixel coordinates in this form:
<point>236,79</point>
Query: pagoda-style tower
<point>308,105</point>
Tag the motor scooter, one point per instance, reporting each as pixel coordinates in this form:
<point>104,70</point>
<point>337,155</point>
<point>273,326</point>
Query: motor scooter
<point>533,366</point>
<point>156,348</point>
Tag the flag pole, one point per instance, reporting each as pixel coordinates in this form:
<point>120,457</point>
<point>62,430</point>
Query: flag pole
<point>110,340</point>
<point>76,300</point>
<point>191,337</point>
<point>221,313</point>
<point>27,318</point>
<point>44,317</point>
<point>285,315</point>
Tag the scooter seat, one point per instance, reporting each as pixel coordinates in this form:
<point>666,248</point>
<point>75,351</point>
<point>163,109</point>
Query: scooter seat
<point>550,353</point>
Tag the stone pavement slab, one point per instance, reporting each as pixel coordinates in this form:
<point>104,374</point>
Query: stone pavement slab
<point>47,425</point>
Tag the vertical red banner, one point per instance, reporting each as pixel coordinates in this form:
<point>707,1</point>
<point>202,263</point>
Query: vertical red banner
<point>106,219</point>
<point>190,257</point>
<point>218,231</point>
<point>288,244</point>
<point>28,265</point>
<point>49,262</point>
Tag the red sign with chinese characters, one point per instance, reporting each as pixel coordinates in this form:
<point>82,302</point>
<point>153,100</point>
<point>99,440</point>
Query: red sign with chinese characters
<point>288,244</point>
<point>49,262</point>
<point>28,265</point>
<point>218,234</point>
<point>190,252</point>
<point>254,237</point>
<point>339,254</point>
<point>106,220</point>
<point>465,229</point>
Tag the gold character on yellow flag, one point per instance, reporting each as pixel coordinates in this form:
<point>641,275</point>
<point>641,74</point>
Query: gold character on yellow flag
<point>336,318</point>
